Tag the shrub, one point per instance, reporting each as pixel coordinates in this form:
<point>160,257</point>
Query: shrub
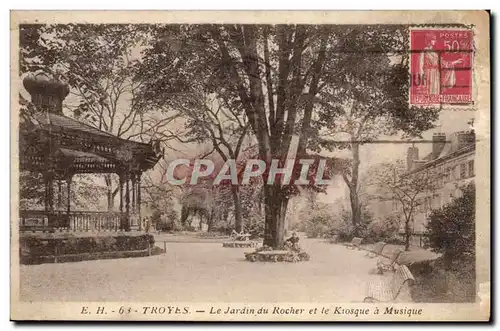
<point>383,230</point>
<point>451,232</point>
<point>256,230</point>
<point>316,227</point>
<point>166,222</point>
<point>451,229</point>
<point>395,241</point>
<point>344,232</point>
<point>438,284</point>
<point>344,229</point>
<point>34,248</point>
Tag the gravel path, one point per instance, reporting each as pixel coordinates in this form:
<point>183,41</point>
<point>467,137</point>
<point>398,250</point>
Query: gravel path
<point>200,272</point>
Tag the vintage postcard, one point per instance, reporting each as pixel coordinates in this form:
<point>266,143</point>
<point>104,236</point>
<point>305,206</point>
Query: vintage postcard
<point>250,166</point>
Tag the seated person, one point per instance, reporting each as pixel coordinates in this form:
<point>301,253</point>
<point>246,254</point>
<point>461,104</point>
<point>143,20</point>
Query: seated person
<point>293,241</point>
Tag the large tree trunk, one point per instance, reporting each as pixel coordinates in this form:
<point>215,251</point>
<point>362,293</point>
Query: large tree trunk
<point>238,221</point>
<point>275,205</point>
<point>275,138</point>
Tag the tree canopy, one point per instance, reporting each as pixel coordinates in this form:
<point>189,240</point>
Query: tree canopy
<point>265,83</point>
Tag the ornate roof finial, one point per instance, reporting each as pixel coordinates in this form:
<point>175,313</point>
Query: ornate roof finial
<point>47,92</point>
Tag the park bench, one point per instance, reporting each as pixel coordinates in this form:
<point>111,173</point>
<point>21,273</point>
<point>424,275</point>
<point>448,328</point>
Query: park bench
<point>387,290</point>
<point>391,264</point>
<point>377,249</point>
<point>354,243</point>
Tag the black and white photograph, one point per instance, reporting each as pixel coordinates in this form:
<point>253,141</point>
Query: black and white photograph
<point>250,167</point>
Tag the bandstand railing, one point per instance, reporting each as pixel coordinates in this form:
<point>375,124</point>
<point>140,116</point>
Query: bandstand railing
<point>32,220</point>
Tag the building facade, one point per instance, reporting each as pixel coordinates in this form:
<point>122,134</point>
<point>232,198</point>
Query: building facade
<point>451,162</point>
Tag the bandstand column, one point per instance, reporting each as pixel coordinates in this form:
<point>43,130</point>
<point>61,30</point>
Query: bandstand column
<point>139,200</point>
<point>134,188</point>
<point>49,197</point>
<point>127,203</point>
<point>121,199</point>
<point>68,201</point>
<point>59,195</point>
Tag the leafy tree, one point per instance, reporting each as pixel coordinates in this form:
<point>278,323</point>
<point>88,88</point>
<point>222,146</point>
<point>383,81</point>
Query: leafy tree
<point>275,76</point>
<point>209,116</point>
<point>83,192</point>
<point>212,201</point>
<point>346,230</point>
<point>452,228</point>
<point>245,64</point>
<point>367,97</point>
<point>98,61</point>
<point>385,229</point>
<point>394,183</point>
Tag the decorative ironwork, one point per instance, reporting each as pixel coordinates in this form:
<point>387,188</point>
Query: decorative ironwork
<point>32,220</point>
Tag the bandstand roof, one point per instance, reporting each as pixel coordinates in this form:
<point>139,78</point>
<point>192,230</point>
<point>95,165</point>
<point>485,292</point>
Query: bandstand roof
<point>51,141</point>
<point>55,120</point>
<point>80,148</point>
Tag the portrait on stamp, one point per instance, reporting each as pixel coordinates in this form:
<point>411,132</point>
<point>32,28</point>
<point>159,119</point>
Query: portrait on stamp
<point>441,66</point>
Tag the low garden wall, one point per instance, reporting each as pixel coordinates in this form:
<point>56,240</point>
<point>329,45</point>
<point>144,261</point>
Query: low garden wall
<point>55,248</point>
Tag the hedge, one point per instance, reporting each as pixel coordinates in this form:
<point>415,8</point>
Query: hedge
<point>43,249</point>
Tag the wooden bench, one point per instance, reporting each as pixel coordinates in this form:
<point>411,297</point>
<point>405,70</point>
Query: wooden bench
<point>391,264</point>
<point>388,289</point>
<point>354,243</point>
<point>377,249</point>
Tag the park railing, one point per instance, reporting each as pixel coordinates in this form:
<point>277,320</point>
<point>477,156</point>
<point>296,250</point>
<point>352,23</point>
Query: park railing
<point>40,220</point>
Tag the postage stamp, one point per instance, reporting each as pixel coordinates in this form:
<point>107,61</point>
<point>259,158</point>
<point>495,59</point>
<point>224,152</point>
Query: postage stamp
<point>441,66</point>
<point>250,166</point>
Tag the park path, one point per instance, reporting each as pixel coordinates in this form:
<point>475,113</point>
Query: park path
<point>201,272</point>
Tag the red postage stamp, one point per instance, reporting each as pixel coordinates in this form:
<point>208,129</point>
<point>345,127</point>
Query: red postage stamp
<point>441,66</point>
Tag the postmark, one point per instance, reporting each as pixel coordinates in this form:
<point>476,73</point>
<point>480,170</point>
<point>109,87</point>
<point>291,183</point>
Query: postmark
<point>441,65</point>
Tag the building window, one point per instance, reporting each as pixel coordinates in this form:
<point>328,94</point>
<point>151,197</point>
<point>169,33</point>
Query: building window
<point>436,201</point>
<point>471,168</point>
<point>442,175</point>
<point>452,174</point>
<point>463,170</point>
